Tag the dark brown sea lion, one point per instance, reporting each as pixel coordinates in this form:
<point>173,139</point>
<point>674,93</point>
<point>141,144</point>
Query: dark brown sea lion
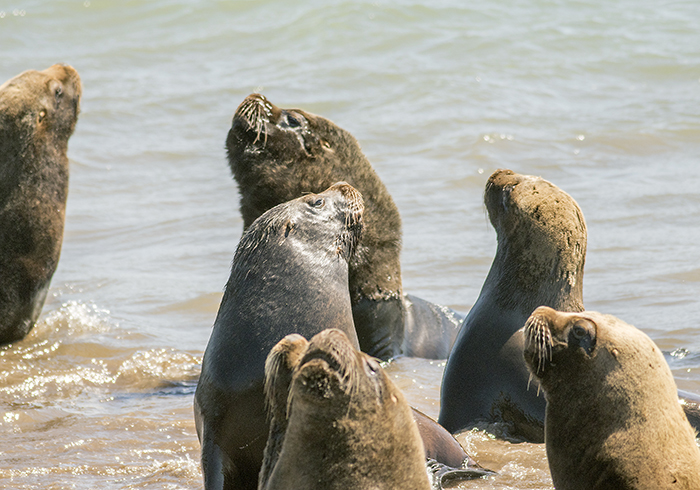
<point>280,154</point>
<point>38,113</point>
<point>357,405</point>
<point>539,261</point>
<point>343,425</point>
<point>613,420</point>
<point>289,275</point>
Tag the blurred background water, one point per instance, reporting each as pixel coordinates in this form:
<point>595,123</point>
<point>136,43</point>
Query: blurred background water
<point>600,98</point>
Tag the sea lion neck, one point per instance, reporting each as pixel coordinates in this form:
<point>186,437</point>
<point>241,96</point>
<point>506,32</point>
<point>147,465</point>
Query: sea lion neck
<point>523,280</point>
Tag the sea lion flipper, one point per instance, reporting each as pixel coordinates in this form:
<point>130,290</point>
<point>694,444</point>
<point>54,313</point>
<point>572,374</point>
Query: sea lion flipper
<point>429,329</point>
<point>440,474</point>
<point>212,465</point>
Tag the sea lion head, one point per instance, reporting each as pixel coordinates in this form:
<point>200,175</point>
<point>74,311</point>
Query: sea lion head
<point>551,336</point>
<point>279,154</point>
<point>564,348</point>
<point>331,221</point>
<point>613,419</point>
<point>541,241</point>
<point>332,373</point>
<point>44,104</point>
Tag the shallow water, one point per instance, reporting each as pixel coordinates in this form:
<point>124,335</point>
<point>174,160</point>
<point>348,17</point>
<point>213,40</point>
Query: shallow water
<point>600,98</point>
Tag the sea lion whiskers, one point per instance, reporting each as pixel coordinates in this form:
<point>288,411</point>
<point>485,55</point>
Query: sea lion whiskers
<point>256,111</point>
<point>538,334</point>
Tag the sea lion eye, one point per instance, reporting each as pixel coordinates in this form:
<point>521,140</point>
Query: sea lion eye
<point>583,334</point>
<point>58,93</point>
<point>318,203</point>
<point>372,366</point>
<point>579,330</point>
<point>292,121</point>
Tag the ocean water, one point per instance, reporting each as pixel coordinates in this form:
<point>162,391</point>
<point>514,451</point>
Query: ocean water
<point>600,98</point>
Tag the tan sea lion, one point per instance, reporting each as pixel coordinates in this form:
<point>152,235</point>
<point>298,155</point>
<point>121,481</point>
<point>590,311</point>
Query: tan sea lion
<point>539,261</point>
<point>613,420</point>
<point>38,113</point>
<point>347,425</point>
<point>280,154</point>
<point>363,405</point>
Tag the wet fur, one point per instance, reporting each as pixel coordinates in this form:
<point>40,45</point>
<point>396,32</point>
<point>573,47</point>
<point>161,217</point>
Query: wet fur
<point>289,275</point>
<point>38,113</point>
<point>279,154</point>
<point>541,235</point>
<point>279,166</point>
<point>346,428</point>
<point>613,420</point>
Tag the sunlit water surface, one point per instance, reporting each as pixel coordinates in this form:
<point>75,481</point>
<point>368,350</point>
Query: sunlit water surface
<point>601,98</point>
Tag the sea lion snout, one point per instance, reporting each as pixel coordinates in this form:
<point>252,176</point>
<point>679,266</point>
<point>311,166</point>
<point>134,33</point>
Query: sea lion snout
<point>69,78</point>
<point>548,331</point>
<point>253,114</point>
<point>352,197</point>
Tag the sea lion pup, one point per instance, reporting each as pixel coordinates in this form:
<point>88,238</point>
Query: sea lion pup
<point>539,261</point>
<point>613,420</point>
<point>289,274</point>
<point>354,417</point>
<point>38,113</point>
<point>280,154</point>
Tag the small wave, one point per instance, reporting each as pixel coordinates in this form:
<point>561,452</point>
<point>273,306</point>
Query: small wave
<point>79,347</point>
<point>158,367</point>
<point>74,318</point>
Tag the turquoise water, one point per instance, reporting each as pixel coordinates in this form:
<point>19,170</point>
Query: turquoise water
<point>600,98</point>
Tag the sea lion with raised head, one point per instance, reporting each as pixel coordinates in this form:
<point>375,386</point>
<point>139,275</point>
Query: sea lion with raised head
<point>613,420</point>
<point>338,422</point>
<point>279,154</point>
<point>289,275</point>
<point>38,113</point>
<point>539,261</point>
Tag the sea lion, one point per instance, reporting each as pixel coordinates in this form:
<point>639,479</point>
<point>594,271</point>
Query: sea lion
<point>613,420</point>
<point>337,421</point>
<point>38,113</point>
<point>289,275</point>
<point>539,260</point>
<point>279,154</point>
